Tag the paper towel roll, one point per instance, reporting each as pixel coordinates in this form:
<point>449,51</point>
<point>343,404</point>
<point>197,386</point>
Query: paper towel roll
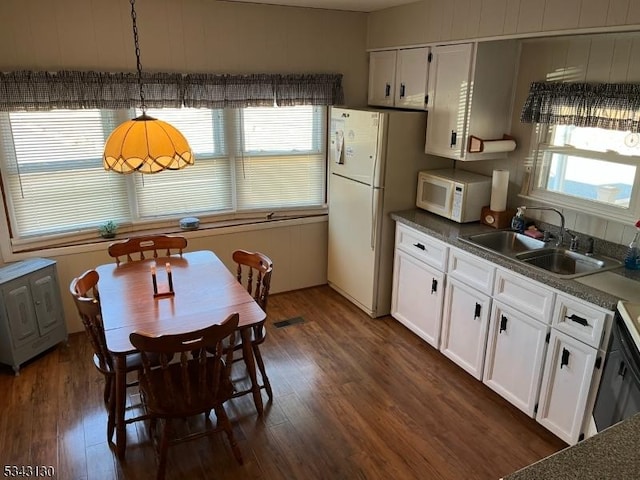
<point>495,146</point>
<point>499,189</point>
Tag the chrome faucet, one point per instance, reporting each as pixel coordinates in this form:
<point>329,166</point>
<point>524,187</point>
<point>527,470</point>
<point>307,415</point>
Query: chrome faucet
<point>561,234</point>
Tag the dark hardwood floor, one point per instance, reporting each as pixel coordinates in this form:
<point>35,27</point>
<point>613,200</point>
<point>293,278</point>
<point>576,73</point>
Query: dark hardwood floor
<point>354,398</point>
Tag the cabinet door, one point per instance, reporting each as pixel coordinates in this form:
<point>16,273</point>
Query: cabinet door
<point>412,69</point>
<point>464,326</point>
<point>382,77</point>
<point>46,299</point>
<point>449,83</point>
<point>417,297</point>
<point>515,354</point>
<point>20,312</point>
<point>568,372</point>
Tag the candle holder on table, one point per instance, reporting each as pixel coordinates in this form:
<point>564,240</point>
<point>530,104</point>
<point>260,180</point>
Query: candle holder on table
<point>161,292</point>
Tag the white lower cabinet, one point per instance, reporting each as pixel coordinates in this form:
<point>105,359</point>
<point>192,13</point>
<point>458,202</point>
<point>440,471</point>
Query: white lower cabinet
<point>464,326</point>
<point>417,296</point>
<point>537,347</point>
<point>566,384</point>
<point>515,353</point>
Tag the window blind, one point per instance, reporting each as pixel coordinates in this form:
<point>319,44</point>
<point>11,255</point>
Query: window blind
<point>205,187</point>
<point>53,174</point>
<point>280,157</point>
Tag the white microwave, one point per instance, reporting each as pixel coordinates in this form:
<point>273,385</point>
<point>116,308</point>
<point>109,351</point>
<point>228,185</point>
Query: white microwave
<point>453,194</point>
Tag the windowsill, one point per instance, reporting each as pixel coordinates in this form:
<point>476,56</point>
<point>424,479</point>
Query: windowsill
<point>206,229</point>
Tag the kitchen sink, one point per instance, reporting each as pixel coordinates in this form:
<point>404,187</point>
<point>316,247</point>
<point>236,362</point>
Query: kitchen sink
<point>506,242</point>
<point>566,263</point>
<point>536,253</point>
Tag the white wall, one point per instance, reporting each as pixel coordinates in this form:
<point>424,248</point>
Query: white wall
<point>193,36</point>
<point>429,21</point>
<point>611,57</point>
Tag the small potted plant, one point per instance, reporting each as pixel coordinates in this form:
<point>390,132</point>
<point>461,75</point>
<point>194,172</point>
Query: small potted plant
<point>108,229</point>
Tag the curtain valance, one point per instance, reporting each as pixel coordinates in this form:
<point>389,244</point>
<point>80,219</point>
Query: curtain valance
<point>613,106</point>
<point>27,90</point>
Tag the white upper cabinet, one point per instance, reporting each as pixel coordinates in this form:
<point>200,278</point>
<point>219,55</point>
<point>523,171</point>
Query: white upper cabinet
<point>470,92</point>
<point>398,78</point>
<point>382,78</point>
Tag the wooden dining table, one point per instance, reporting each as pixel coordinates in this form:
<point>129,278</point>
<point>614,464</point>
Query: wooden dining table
<point>204,293</point>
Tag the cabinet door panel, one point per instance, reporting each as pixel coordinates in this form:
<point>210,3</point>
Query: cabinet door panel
<point>449,76</point>
<point>46,301</point>
<point>565,386</point>
<point>464,326</point>
<point>21,314</point>
<point>417,297</point>
<point>411,78</point>
<point>382,75</point>
<point>515,354</point>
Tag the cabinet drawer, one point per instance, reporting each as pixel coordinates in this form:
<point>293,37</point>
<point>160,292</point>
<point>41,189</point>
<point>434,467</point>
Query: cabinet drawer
<point>471,270</point>
<point>525,295</point>
<point>422,246</point>
<point>580,320</point>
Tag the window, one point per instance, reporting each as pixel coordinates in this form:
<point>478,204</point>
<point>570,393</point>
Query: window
<point>247,161</point>
<point>589,169</point>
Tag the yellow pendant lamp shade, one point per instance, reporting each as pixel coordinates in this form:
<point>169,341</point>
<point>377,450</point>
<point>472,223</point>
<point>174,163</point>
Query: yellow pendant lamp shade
<point>146,145</point>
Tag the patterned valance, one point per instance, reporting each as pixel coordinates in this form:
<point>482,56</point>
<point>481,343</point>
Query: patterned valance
<point>613,106</point>
<point>26,90</point>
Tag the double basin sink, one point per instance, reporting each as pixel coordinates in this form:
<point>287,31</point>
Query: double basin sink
<point>558,261</point>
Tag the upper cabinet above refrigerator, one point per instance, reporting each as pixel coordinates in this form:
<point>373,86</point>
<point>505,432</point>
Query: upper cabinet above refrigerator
<point>470,93</point>
<point>398,78</point>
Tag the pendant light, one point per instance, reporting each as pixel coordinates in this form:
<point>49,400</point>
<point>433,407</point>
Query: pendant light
<point>145,144</point>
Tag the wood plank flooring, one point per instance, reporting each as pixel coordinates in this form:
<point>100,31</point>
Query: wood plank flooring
<point>354,398</point>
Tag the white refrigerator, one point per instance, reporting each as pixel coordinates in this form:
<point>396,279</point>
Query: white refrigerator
<point>374,160</point>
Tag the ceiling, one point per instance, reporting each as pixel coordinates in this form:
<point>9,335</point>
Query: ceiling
<point>350,5</point>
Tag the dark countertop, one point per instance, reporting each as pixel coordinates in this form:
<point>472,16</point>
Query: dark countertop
<point>610,455</point>
<point>448,232</point>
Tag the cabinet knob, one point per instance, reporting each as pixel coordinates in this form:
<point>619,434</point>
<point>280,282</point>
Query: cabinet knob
<point>434,286</point>
<point>478,311</point>
<point>454,138</point>
<point>402,88</point>
<point>387,90</point>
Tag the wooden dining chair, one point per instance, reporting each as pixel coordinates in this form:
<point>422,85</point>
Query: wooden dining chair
<point>254,271</point>
<point>84,290</point>
<point>147,246</point>
<point>196,384</point>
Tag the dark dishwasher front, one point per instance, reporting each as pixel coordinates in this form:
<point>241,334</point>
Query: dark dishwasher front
<point>619,391</point>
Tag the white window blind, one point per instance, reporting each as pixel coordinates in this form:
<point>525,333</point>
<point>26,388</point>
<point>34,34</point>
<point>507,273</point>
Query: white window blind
<point>280,157</point>
<point>246,160</point>
<point>206,187</point>
<point>53,174</point>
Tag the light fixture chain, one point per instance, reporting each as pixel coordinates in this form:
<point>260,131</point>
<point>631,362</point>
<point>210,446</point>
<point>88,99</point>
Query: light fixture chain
<point>138,64</point>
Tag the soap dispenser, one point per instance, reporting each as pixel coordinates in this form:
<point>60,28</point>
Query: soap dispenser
<point>517,222</point>
<point>632,258</point>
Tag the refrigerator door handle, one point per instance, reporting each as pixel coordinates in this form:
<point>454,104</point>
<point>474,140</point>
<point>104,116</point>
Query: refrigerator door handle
<point>375,200</point>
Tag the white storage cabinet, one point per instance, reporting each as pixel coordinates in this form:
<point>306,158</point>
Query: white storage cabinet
<point>418,283</point>
<point>470,92</point>
<point>573,367</point>
<point>517,341</point>
<point>467,306</point>
<point>398,78</point>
